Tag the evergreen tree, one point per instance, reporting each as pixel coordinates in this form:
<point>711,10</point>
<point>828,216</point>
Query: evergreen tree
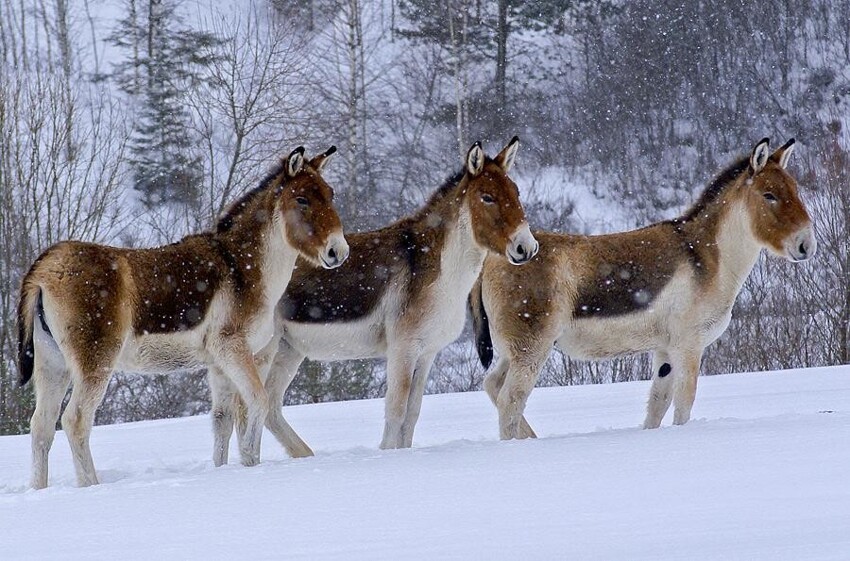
<point>165,61</point>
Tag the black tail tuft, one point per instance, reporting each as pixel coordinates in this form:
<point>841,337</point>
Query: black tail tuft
<point>481,326</point>
<point>26,348</point>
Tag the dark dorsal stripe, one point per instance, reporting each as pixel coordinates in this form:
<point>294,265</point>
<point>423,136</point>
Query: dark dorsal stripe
<point>226,221</point>
<point>715,188</point>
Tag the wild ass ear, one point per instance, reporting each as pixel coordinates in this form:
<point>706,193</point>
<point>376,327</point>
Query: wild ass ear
<point>783,154</point>
<point>295,161</point>
<point>319,161</point>
<point>475,159</point>
<point>506,157</point>
<point>758,159</point>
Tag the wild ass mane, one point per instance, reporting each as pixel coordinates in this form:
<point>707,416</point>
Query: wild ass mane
<point>715,189</point>
<point>236,209</point>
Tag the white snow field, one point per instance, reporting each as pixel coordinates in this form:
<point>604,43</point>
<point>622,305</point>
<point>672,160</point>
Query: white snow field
<point>761,472</point>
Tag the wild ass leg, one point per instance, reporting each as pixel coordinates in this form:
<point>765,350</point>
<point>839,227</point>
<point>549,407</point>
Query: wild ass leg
<point>414,400</point>
<point>686,390</point>
<point>233,357</point>
<point>51,379</point>
<point>664,372</point>
<point>493,383</point>
<point>78,418</point>
<point>223,406</point>
<point>280,375</point>
<point>400,366</point>
<point>519,381</point>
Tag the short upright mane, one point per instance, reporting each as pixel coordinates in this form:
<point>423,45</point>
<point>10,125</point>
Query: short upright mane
<point>715,188</point>
<point>450,183</point>
<point>228,219</point>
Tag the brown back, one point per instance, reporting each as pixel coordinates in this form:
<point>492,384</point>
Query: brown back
<point>406,253</point>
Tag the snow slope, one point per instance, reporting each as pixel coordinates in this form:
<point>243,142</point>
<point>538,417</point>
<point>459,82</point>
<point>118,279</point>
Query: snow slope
<point>760,473</point>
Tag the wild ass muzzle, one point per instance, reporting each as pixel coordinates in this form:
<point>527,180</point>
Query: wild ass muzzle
<point>668,288</point>
<point>401,294</point>
<point>207,300</point>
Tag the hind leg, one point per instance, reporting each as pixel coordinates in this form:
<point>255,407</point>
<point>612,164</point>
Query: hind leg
<point>519,381</point>
<point>283,371</point>
<point>78,418</point>
<point>686,390</point>
<point>223,395</point>
<point>414,400</point>
<point>51,379</point>
<point>493,383</point>
<point>664,372</point>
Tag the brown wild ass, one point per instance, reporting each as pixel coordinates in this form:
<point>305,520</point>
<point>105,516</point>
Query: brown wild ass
<point>667,288</point>
<point>208,299</point>
<point>400,295</point>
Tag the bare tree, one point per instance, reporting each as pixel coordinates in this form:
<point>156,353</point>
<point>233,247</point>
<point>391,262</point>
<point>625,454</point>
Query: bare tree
<point>48,192</point>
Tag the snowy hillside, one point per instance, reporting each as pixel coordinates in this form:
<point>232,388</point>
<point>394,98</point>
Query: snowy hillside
<point>760,473</point>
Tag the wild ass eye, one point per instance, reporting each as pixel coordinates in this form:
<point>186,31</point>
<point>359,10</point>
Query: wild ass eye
<point>487,199</point>
<point>770,197</point>
<point>302,201</point>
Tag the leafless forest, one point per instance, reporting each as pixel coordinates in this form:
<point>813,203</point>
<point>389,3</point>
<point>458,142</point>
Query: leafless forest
<point>134,122</point>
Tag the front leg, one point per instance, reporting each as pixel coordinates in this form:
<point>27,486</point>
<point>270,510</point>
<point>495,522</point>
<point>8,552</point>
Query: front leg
<point>401,364</point>
<point>232,355</point>
<point>661,392</point>
<point>223,395</point>
<point>414,400</point>
<point>686,390</point>
<point>675,374</point>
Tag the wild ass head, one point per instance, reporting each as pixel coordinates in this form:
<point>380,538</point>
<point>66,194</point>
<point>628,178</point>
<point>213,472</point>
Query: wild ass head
<point>310,222</point>
<point>498,220</point>
<point>777,215</point>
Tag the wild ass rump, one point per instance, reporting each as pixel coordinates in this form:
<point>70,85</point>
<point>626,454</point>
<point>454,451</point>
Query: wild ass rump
<point>207,300</point>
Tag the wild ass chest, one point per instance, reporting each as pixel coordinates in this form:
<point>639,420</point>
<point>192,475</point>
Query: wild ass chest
<point>439,313</point>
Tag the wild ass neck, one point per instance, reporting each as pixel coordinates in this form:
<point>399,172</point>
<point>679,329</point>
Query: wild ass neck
<point>462,258</point>
<point>726,224</point>
<point>444,227</point>
<point>738,247</point>
<point>255,238</point>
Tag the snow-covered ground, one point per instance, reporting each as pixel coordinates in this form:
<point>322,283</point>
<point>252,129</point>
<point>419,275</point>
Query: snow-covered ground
<point>762,472</point>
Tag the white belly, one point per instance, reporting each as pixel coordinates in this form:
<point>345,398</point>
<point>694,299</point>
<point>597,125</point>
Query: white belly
<point>601,338</point>
<point>163,352</point>
<point>337,341</point>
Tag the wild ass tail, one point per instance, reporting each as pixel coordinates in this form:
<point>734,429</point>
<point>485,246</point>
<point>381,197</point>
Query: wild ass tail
<point>481,325</point>
<point>30,298</point>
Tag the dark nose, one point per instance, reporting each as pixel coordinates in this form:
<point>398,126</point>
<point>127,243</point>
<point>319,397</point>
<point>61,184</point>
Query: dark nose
<point>332,255</point>
<point>520,249</point>
<point>803,249</point>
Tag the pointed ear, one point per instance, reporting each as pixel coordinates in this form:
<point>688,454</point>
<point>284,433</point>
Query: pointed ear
<point>319,161</point>
<point>758,159</point>
<point>475,159</point>
<point>506,157</point>
<point>783,154</point>
<point>295,161</point>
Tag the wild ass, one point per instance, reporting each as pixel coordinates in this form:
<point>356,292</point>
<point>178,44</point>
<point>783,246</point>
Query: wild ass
<point>400,295</point>
<point>208,299</point>
<point>667,288</point>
